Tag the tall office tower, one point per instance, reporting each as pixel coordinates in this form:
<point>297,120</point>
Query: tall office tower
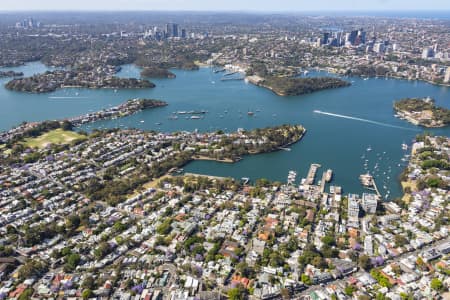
<point>172,30</point>
<point>325,37</point>
<point>318,42</point>
<point>427,52</point>
<point>379,48</point>
<point>338,37</point>
<point>362,36</point>
<point>352,37</point>
<point>447,76</point>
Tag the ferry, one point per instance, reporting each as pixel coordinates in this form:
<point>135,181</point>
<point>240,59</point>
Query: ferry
<point>197,112</point>
<point>329,175</point>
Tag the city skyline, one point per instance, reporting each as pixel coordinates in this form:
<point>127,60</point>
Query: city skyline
<point>232,5</point>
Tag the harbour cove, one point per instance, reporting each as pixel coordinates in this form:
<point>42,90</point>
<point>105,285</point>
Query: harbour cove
<point>351,130</point>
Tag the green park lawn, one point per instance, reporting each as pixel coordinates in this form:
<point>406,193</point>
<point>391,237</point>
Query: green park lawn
<point>57,136</point>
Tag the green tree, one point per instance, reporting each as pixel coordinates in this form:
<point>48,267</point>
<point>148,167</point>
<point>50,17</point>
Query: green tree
<point>382,280</point>
<point>88,283</point>
<point>244,269</point>
<point>329,240</point>
<point>72,222</point>
<point>400,240</point>
<point>380,296</point>
<point>364,262</point>
<point>436,284</point>
<point>66,125</point>
<point>306,279</point>
<point>72,261</point>
<point>237,293</point>
<point>26,295</point>
<point>349,290</point>
<point>165,227</point>
<point>66,251</point>
<point>32,268</point>
<point>86,294</point>
<point>102,250</point>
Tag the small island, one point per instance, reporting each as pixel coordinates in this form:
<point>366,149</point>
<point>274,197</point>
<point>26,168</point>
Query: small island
<point>10,74</point>
<point>287,86</point>
<point>50,81</point>
<point>156,72</point>
<point>422,112</point>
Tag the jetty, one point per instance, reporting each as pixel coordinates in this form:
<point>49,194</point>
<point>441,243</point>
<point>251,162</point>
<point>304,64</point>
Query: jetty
<point>369,183</point>
<point>312,173</point>
<point>375,188</point>
<point>203,175</point>
<point>323,182</point>
<point>230,73</point>
<point>232,78</point>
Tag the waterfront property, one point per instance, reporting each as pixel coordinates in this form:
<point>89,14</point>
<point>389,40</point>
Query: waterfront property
<point>422,112</point>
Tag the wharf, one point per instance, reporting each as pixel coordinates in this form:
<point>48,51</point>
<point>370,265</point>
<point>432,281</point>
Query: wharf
<point>312,173</point>
<point>202,175</point>
<point>323,182</point>
<point>231,73</point>
<point>368,182</point>
<point>375,188</point>
<point>232,78</point>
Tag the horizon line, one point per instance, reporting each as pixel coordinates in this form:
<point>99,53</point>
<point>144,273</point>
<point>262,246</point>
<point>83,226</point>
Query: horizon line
<point>229,10</point>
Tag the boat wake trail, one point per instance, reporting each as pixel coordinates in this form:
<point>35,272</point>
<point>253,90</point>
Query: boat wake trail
<point>363,120</point>
<point>67,98</point>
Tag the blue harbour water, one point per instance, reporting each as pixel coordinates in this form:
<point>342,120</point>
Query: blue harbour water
<point>336,142</point>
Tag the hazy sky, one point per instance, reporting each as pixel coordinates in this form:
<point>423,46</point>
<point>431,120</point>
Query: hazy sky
<point>234,5</point>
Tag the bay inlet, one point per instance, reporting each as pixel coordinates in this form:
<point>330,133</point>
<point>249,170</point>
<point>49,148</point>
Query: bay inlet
<point>356,119</point>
